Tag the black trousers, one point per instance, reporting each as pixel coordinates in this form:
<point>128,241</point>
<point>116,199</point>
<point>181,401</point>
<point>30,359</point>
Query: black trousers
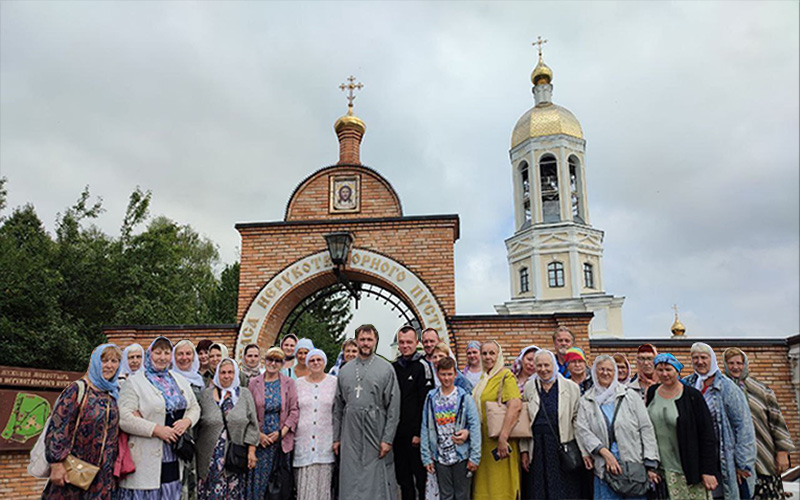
<point>408,468</point>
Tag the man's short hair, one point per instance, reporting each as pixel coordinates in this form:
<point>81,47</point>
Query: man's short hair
<point>406,329</point>
<point>446,363</point>
<point>434,330</point>
<point>367,328</point>
<point>563,329</point>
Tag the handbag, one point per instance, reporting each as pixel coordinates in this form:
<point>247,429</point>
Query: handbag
<point>632,481</point>
<point>236,455</point>
<point>496,415</point>
<point>184,446</point>
<point>280,485</point>
<point>569,455</point>
<point>81,473</point>
<point>124,464</point>
<point>38,465</point>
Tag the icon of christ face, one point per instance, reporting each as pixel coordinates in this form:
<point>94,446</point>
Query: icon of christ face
<point>345,195</point>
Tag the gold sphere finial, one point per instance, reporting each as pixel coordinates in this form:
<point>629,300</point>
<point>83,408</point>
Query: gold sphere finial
<point>677,327</point>
<point>541,73</point>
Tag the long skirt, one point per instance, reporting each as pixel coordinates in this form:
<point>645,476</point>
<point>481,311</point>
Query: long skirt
<point>546,480</point>
<point>678,489</point>
<point>167,491</point>
<point>314,481</point>
<point>220,483</point>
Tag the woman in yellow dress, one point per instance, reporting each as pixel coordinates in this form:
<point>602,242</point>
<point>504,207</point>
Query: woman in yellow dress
<point>497,479</point>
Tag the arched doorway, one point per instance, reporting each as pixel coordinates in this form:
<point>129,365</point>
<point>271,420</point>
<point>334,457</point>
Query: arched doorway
<point>309,277</point>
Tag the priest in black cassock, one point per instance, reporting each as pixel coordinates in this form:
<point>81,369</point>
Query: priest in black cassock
<point>366,412</point>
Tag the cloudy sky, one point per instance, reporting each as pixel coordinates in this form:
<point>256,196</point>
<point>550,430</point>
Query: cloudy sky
<point>690,111</point>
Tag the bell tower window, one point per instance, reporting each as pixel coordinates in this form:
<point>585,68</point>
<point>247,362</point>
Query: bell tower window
<point>555,274</point>
<point>588,275</point>
<point>551,209</point>
<point>576,189</point>
<point>524,281</point>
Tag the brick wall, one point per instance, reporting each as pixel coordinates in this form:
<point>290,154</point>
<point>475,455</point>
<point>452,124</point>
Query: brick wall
<point>768,363</point>
<point>15,483</point>
<point>311,198</point>
<point>515,331</point>
<point>425,245</point>
<point>145,334</point>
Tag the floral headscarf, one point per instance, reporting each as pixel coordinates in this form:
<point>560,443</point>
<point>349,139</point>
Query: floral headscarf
<point>95,372</point>
<point>164,381</point>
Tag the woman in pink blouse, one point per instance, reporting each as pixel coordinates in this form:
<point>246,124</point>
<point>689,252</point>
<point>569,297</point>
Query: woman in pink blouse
<point>313,442</point>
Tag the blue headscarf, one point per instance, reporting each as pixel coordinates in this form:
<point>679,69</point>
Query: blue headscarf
<point>96,372</point>
<point>669,359</point>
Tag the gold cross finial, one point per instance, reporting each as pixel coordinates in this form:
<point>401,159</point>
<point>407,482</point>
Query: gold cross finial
<point>675,308</point>
<point>351,86</point>
<point>539,42</point>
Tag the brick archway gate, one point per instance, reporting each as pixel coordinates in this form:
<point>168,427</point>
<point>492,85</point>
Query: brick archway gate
<point>281,295</point>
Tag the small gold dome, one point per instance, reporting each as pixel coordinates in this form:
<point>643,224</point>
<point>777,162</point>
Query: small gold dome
<point>350,121</point>
<point>545,119</point>
<point>677,327</point>
<point>541,72</point>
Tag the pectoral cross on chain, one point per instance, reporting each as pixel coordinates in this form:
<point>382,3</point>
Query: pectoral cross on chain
<point>358,389</point>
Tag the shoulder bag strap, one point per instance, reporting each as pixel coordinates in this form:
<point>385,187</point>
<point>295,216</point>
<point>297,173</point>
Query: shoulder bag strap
<point>500,388</point>
<point>80,409</point>
<point>224,420</point>
<point>612,435</point>
<point>105,434</point>
<point>546,416</point>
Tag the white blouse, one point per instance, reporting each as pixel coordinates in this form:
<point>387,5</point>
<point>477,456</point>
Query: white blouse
<point>313,440</point>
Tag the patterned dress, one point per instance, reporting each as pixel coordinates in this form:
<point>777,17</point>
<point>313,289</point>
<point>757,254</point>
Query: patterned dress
<point>221,483</point>
<point>546,479</point>
<point>88,441</point>
<point>258,478</point>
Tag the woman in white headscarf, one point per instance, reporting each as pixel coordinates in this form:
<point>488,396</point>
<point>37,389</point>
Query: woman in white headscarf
<point>552,405</point>
<point>733,424</point>
<point>610,410</point>
<point>228,415</point>
<point>132,358</point>
<point>497,479</point>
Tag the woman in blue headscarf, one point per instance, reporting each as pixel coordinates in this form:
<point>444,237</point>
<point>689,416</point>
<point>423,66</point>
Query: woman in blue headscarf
<point>157,405</point>
<point>85,424</point>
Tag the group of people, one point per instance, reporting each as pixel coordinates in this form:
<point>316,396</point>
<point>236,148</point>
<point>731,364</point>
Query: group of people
<point>186,422</point>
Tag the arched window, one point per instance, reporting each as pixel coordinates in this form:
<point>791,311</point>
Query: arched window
<point>576,188</point>
<point>588,275</point>
<point>555,274</point>
<point>524,281</point>
<point>524,176</point>
<point>548,168</point>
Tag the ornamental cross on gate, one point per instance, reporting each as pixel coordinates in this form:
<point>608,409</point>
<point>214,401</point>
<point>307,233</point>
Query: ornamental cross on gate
<point>351,86</point>
<point>539,42</point>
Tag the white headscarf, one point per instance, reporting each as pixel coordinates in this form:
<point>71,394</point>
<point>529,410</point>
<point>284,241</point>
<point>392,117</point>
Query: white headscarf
<point>234,383</point>
<point>499,365</point>
<point>125,369</point>
<point>193,374</point>
<point>604,395</point>
<point>554,360</point>
<point>222,347</point>
<point>701,347</point>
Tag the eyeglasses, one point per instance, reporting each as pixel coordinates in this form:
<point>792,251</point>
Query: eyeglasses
<point>273,360</point>
<point>641,359</point>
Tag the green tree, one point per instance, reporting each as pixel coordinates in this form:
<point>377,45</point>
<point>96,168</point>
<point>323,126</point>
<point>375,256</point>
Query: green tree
<point>324,322</point>
<point>33,330</point>
<point>224,299</point>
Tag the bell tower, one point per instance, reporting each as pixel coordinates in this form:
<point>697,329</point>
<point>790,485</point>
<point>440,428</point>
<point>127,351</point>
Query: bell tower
<point>555,256</point>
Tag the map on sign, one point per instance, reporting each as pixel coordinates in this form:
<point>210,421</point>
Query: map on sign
<point>27,417</point>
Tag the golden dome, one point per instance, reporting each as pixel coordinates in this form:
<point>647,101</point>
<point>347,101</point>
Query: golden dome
<point>541,71</point>
<point>677,327</point>
<point>545,119</point>
<point>350,121</point>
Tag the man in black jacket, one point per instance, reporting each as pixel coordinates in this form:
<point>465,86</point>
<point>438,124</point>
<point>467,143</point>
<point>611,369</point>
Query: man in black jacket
<point>415,379</point>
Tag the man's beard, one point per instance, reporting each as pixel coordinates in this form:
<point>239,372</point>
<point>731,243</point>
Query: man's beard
<point>365,351</point>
